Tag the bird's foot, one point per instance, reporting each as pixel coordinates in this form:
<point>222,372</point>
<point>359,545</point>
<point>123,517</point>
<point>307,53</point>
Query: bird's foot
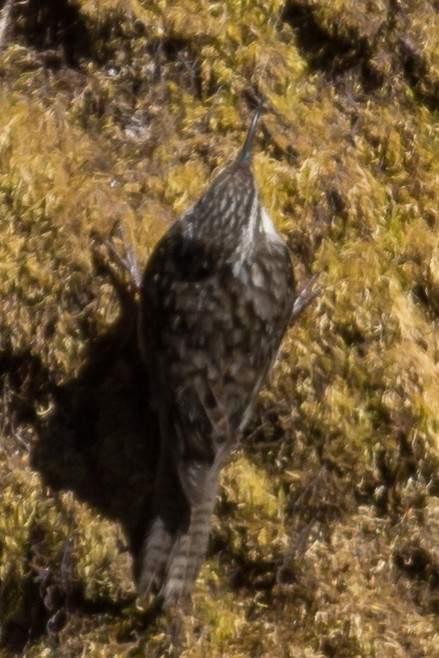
<point>305,297</point>
<point>115,257</point>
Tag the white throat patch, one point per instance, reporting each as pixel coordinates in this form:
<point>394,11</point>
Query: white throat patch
<point>268,226</point>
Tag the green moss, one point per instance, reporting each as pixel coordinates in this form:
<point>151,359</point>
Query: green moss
<point>324,538</point>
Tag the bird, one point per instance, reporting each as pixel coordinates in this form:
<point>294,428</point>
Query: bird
<point>216,298</point>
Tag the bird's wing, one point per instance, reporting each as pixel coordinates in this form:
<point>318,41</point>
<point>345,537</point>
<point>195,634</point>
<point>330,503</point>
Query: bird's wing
<point>200,423</point>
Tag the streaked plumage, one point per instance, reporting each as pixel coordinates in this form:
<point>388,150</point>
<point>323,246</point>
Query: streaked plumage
<point>216,298</point>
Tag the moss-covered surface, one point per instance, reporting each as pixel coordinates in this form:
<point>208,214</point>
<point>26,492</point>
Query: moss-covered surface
<point>325,537</point>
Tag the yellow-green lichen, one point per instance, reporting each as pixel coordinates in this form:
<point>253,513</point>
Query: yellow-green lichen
<point>323,539</point>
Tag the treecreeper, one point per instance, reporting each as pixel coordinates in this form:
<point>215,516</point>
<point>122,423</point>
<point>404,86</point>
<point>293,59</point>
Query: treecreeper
<point>217,296</point>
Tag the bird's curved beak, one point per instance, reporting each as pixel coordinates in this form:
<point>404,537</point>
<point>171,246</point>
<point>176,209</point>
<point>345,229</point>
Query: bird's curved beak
<point>245,153</point>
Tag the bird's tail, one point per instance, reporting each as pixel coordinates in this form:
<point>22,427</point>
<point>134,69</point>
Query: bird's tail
<point>187,554</point>
<point>175,545</point>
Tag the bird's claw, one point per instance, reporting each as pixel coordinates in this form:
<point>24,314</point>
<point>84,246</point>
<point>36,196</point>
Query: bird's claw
<point>119,264</point>
<point>305,297</point>
<point>127,260</point>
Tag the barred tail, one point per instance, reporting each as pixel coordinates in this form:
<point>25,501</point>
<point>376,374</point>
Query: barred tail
<point>170,517</point>
<point>187,554</point>
<point>156,548</point>
<point>176,543</point>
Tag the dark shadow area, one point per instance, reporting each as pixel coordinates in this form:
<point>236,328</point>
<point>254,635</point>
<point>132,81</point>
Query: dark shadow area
<point>418,568</point>
<point>336,52</point>
<point>98,439</point>
<point>54,27</point>
<point>417,73</point>
<point>333,54</point>
<point>101,439</point>
<point>343,50</point>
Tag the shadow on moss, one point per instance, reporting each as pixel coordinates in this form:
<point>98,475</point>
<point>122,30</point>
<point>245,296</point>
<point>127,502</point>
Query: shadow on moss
<point>95,433</point>
<point>100,438</point>
<point>56,29</point>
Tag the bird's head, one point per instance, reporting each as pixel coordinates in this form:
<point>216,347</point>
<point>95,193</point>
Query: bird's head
<point>229,209</point>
